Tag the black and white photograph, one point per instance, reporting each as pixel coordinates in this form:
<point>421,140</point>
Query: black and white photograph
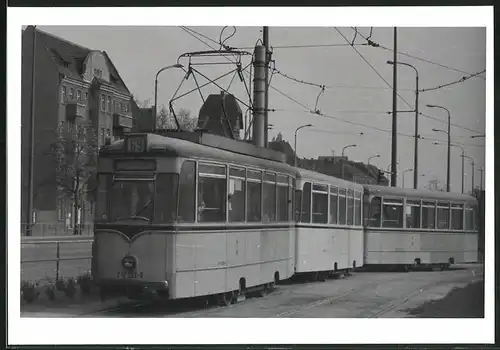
<point>230,176</point>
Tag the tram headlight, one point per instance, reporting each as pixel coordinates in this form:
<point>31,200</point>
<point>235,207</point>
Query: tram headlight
<point>129,262</point>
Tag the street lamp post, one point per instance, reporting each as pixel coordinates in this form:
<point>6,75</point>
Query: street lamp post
<point>449,143</point>
<point>295,147</point>
<point>177,65</point>
<point>463,159</point>
<point>343,164</point>
<point>404,176</point>
<point>472,163</point>
<point>415,156</point>
<point>375,156</point>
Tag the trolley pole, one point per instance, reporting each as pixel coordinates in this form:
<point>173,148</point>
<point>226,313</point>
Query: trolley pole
<point>394,113</point>
<point>265,40</point>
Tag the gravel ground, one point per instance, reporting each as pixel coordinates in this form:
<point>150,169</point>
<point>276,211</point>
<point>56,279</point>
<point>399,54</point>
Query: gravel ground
<point>466,302</point>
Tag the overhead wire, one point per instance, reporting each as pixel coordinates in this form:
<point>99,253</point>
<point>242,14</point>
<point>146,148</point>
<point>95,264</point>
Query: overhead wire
<point>372,43</point>
<point>309,111</point>
<point>389,85</point>
<point>461,80</point>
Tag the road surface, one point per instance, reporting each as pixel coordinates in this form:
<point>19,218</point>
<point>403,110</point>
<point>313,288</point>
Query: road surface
<point>362,295</point>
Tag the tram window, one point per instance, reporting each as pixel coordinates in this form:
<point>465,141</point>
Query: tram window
<point>342,206</point>
<point>282,203</point>
<point>468,218</point>
<point>298,202</point>
<point>269,208</point>
<point>187,191</point>
<point>333,204</point>
<point>236,195</point>
<point>102,204</point>
<point>350,207</point>
<point>428,215</point>
<point>320,204</point>
<point>254,186</point>
<point>412,214</point>
<point>357,208</point>
<point>443,215</point>
<point>457,216</point>
<point>475,218</point>
<point>392,213</point>
<point>306,203</point>
<point>374,212</point>
<point>212,188</point>
<point>166,193</point>
<point>291,194</point>
<point>132,198</point>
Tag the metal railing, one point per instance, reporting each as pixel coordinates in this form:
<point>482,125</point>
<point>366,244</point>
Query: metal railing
<point>51,229</point>
<point>42,247</point>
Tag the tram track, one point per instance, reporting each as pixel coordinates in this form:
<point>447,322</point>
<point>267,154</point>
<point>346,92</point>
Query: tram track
<point>277,300</point>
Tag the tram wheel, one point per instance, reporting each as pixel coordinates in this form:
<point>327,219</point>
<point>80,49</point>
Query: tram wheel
<point>406,268</point>
<point>224,299</point>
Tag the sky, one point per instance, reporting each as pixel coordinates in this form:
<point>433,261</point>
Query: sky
<point>355,94</point>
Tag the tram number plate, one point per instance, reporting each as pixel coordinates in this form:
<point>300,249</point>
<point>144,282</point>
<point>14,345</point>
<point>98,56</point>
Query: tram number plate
<point>131,275</point>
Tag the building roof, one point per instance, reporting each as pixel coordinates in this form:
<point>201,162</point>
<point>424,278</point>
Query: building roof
<point>70,57</point>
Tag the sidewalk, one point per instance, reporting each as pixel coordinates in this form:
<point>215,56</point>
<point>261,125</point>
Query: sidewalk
<point>65,308</point>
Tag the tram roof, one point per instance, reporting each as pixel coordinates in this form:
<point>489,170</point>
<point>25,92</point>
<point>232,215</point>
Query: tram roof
<point>424,194</point>
<point>162,146</point>
<point>305,174</point>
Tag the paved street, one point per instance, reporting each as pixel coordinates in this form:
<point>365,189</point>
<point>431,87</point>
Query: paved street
<point>360,295</point>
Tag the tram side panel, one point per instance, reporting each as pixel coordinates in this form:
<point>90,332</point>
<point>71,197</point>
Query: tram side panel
<point>438,247</point>
<point>321,248</point>
<point>391,247</point>
<point>356,247</point>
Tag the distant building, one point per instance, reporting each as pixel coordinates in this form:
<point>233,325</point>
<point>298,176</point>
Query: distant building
<point>72,84</point>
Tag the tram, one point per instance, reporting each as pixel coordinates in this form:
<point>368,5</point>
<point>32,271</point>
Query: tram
<point>182,219</point>
<point>329,232</point>
<point>406,227</point>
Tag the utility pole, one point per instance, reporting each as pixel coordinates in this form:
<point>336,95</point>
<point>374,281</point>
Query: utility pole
<point>31,165</point>
<point>265,40</point>
<point>481,171</point>
<point>394,113</point>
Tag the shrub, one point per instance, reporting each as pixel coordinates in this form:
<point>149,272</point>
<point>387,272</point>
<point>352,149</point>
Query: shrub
<point>85,281</point>
<point>29,291</point>
<point>70,289</point>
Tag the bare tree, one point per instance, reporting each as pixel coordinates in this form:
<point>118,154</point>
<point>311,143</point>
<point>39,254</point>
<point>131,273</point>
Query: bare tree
<point>165,120</point>
<point>75,154</point>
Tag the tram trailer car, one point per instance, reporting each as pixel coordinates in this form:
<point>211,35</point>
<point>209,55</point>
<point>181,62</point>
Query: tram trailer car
<point>329,231</point>
<point>419,227</point>
<point>182,219</point>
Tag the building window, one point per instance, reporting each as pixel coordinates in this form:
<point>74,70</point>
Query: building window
<point>126,107</point>
<point>236,195</point>
<point>71,94</point>
<point>63,94</point>
<point>109,104</point>
<point>119,109</point>
<point>78,95</point>
<point>103,103</point>
<point>187,188</point>
<point>212,188</point>
<point>97,73</point>
<point>254,195</point>
<point>103,137</point>
<point>60,209</point>
<point>86,96</point>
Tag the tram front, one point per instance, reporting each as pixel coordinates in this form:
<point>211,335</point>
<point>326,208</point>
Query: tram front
<point>135,212</point>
